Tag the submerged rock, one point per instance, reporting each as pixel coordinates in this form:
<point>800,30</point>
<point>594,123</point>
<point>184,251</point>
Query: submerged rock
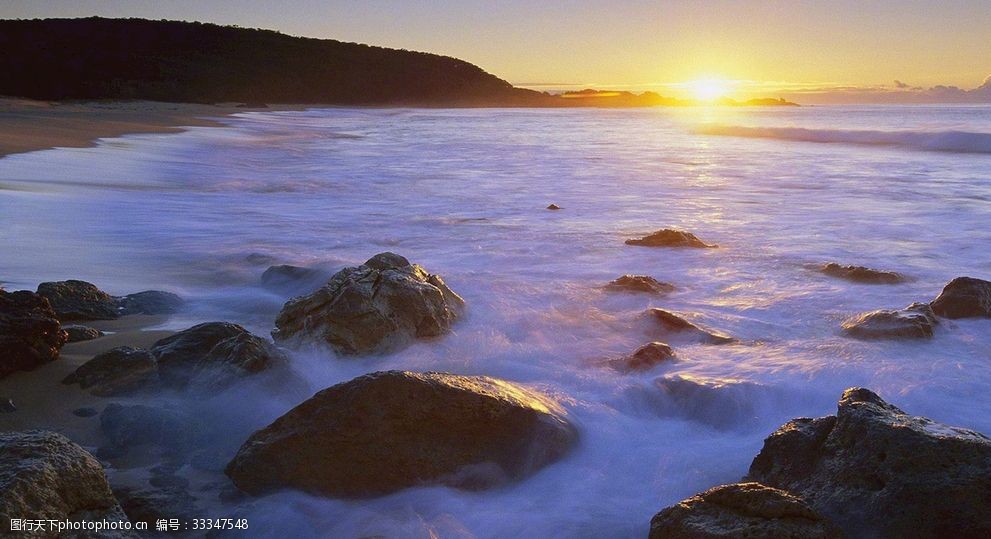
<point>739,511</point>
<point>150,302</point>
<point>293,279</point>
<point>861,274</point>
<point>553,207</point>
<point>964,297</point>
<point>153,504</point>
<point>30,334</point>
<point>646,357</point>
<point>44,476</point>
<point>118,371</point>
<point>378,307</point>
<point>878,472</point>
<point>639,283</point>
<point>722,404</point>
<point>85,412</point>
<point>7,406</point>
<point>917,321</point>
<point>129,426</point>
<point>82,333</point>
<point>670,238</point>
<point>672,323</point>
<point>387,431</point>
<point>79,300</point>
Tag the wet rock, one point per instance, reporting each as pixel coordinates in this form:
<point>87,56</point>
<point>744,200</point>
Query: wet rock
<point>150,302</point>
<point>722,404</point>
<point>7,406</point>
<point>30,334</point>
<point>79,300</point>
<point>670,238</point>
<point>917,321</point>
<point>861,274</point>
<point>878,472</point>
<point>553,207</point>
<point>378,307</point>
<point>294,279</point>
<point>742,510</point>
<point>646,357</point>
<point>153,504</point>
<point>213,355</point>
<point>118,371</point>
<point>85,412</point>
<point>964,297</point>
<point>44,476</point>
<point>639,283</point>
<point>674,324</point>
<point>82,333</point>
<point>128,426</point>
<point>387,431</point>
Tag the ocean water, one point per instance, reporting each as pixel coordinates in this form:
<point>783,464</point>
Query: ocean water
<point>463,192</point>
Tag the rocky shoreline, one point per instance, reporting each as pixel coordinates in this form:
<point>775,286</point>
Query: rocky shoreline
<point>871,470</point>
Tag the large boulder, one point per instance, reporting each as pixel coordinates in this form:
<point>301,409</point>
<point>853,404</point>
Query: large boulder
<point>964,297</point>
<point>44,476</point>
<point>917,321</point>
<point>861,274</point>
<point>387,431</point>
<point>150,302</point>
<point>740,511</point>
<point>79,300</point>
<point>30,334</point>
<point>374,308</point>
<point>118,371</point>
<point>639,283</point>
<point>670,238</point>
<point>678,326</point>
<point>878,472</point>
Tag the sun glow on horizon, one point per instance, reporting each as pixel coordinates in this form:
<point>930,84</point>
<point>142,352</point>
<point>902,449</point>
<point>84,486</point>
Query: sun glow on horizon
<point>708,90</point>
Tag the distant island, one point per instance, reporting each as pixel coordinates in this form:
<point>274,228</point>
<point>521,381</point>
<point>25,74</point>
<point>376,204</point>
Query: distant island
<point>189,62</point>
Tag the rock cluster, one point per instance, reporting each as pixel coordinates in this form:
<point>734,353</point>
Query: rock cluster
<point>30,334</point>
<point>79,300</point>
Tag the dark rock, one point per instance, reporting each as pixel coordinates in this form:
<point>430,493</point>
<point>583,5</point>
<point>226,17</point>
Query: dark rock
<point>294,279</point>
<point>79,300</point>
<point>670,238</point>
<point>646,357</point>
<point>387,431</point>
<point>150,302</point>
<point>118,371</point>
<point>553,207</point>
<point>213,355</point>
<point>30,334</point>
<point>672,323</point>
<point>377,307</point>
<point>917,321</point>
<point>639,283</point>
<point>861,274</point>
<point>7,406</point>
<point>739,511</point>
<point>44,476</point>
<point>964,297</point>
<point>82,333</point>
<point>129,426</point>
<point>84,412</point>
<point>877,472</point>
<point>722,404</point>
<point>153,504</point>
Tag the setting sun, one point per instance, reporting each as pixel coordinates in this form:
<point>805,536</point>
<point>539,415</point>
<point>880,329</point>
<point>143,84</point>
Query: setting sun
<point>708,89</point>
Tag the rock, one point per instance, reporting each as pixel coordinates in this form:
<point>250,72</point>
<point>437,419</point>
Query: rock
<point>861,274</point>
<point>639,283</point>
<point>7,406</point>
<point>84,412</point>
<point>129,426</point>
<point>878,472</point>
<point>293,279</point>
<point>646,357</point>
<point>964,297</point>
<point>672,323</point>
<point>79,300</point>
<point>30,334</point>
<point>44,476</point>
<point>670,238</point>
<point>153,504</point>
<point>553,207</point>
<point>917,321</point>
<point>387,431</point>
<point>82,333</point>
<point>118,371</point>
<point>150,302</point>
<point>378,307</point>
<point>742,510</point>
<point>722,404</point>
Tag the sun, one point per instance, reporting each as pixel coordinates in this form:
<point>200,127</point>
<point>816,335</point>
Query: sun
<point>708,89</point>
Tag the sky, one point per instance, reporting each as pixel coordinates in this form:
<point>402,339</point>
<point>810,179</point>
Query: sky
<point>815,51</point>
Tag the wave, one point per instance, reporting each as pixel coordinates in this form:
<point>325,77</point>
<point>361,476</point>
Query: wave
<point>936,141</point>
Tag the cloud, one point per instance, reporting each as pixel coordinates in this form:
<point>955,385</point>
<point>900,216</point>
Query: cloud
<point>900,93</point>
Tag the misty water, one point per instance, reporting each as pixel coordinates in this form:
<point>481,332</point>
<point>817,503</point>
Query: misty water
<point>462,192</point>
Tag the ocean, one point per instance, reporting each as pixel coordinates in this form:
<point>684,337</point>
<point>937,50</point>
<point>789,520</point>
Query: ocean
<point>463,193</point>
